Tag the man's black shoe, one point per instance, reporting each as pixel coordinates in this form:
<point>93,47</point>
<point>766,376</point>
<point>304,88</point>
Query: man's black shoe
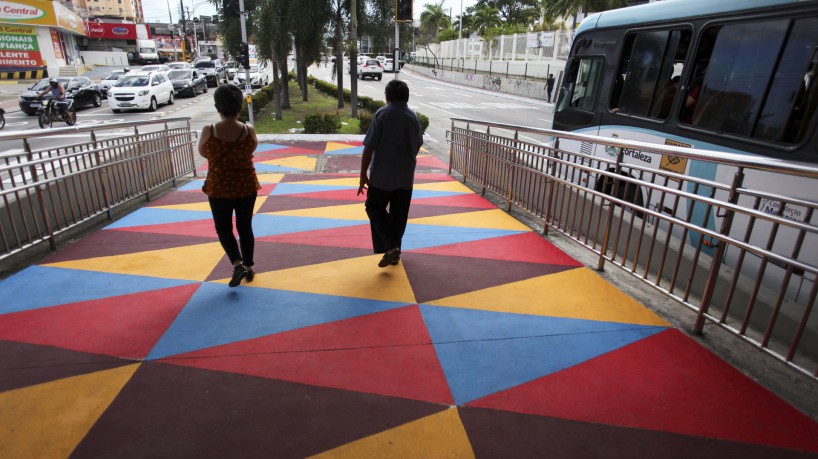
<point>389,257</point>
<point>239,273</point>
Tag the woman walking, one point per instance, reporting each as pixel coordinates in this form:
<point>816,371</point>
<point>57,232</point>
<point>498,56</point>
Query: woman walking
<point>231,184</point>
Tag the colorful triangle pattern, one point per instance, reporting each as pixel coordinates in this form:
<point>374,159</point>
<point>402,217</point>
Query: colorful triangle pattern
<point>484,340</point>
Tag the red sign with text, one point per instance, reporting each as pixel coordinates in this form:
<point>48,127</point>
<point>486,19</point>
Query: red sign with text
<point>111,30</point>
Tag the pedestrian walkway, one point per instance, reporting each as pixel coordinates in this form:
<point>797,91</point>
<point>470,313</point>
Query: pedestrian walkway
<point>484,341</point>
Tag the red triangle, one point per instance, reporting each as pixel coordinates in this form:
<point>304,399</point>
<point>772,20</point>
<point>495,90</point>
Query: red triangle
<point>200,228</point>
<point>349,194</point>
<point>289,151</point>
<point>358,237</point>
<point>431,178</point>
<point>459,200</point>
<point>123,326</point>
<point>431,162</point>
<point>666,382</point>
<point>388,353</point>
<point>295,177</point>
<point>525,247</point>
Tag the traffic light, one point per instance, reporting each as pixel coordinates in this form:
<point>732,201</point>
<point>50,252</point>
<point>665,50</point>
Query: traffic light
<point>244,55</point>
<point>230,9</point>
<point>403,10</point>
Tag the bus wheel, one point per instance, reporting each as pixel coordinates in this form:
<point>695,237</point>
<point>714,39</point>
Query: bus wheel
<point>625,191</point>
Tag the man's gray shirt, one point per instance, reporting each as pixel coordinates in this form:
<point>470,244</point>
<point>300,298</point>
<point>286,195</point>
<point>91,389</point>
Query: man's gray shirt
<point>395,137</point>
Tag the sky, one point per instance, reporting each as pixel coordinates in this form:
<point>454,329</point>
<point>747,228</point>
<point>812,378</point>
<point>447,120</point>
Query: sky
<point>157,10</point>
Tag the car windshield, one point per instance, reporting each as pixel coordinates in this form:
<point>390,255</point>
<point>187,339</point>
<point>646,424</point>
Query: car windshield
<point>180,75</point>
<point>206,65</point>
<point>112,76</point>
<point>372,62</point>
<point>134,80</point>
<point>151,68</point>
<point>42,84</point>
<point>178,65</point>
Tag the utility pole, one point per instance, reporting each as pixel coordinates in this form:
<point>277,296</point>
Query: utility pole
<point>396,53</point>
<point>353,58</point>
<point>184,30</point>
<point>247,91</point>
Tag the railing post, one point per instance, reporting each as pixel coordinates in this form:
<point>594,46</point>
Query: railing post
<point>553,166</point>
<point>142,161</point>
<point>40,197</point>
<point>103,177</point>
<point>513,171</point>
<point>451,150</point>
<point>611,209</point>
<point>169,154</point>
<point>713,274</point>
<point>191,149</point>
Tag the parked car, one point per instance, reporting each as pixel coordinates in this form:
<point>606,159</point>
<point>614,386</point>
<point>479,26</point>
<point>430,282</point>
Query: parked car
<point>213,71</point>
<point>110,80</point>
<point>389,66</point>
<point>381,59</point>
<point>155,68</point>
<point>140,91</point>
<point>371,68</point>
<point>82,90</point>
<point>187,82</point>
<point>259,76</point>
<point>180,65</point>
<point>231,67</point>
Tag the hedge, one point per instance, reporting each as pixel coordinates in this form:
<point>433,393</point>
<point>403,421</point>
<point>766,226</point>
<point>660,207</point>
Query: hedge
<point>322,123</point>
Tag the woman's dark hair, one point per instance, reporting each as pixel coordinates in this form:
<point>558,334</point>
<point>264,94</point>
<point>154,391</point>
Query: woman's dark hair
<point>397,91</point>
<point>228,99</point>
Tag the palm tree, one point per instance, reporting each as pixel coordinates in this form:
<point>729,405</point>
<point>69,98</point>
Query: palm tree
<point>433,19</point>
<point>566,8</point>
<point>485,18</point>
<point>306,22</point>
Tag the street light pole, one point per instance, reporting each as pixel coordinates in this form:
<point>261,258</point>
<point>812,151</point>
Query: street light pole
<point>247,90</point>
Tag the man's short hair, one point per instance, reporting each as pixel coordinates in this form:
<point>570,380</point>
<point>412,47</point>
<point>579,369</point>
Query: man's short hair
<point>397,91</point>
<point>228,99</point>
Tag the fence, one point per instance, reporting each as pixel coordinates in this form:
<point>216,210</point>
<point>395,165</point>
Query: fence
<point>47,189</point>
<point>755,276</point>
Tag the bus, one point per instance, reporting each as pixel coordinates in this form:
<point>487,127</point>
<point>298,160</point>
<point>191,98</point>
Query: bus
<point>738,76</point>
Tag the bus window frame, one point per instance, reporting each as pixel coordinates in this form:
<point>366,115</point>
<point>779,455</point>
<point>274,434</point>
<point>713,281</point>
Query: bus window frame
<point>597,86</point>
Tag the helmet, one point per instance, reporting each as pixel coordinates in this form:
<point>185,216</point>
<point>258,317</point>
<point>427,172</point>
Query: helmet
<point>126,69</point>
<point>53,82</point>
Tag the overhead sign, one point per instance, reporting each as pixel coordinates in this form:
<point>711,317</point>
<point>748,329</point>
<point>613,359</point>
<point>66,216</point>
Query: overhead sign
<point>38,12</point>
<point>112,30</point>
<point>19,47</point>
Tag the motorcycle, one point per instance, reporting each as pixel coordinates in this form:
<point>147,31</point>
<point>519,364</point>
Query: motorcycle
<point>50,112</point>
<point>2,118</point>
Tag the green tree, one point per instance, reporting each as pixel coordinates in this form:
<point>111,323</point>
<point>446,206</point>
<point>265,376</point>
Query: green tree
<point>433,19</point>
<point>485,18</point>
<point>307,22</point>
<point>567,8</point>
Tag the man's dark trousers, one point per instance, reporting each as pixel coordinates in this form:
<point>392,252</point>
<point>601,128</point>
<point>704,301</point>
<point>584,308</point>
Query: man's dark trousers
<point>387,227</point>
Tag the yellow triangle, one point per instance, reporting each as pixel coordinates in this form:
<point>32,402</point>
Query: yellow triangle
<point>578,294</point>
<point>341,181</point>
<point>438,435</point>
<point>343,212</point>
<point>334,146</point>
<point>493,218</point>
<point>200,206</point>
<point>269,178</point>
<point>193,262</point>
<point>296,162</point>
<point>50,419</point>
<point>259,201</point>
<point>450,185</point>
<point>353,277</point>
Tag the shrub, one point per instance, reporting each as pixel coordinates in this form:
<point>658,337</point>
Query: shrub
<point>364,120</point>
<point>424,122</point>
<point>318,123</point>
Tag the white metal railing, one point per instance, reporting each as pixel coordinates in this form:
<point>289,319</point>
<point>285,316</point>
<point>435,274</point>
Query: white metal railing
<point>46,189</point>
<point>742,257</point>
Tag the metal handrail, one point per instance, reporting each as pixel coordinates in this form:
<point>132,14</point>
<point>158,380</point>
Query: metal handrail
<point>755,274</point>
<point>47,191</point>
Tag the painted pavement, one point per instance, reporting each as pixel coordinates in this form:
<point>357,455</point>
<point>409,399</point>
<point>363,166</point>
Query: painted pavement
<point>485,341</point>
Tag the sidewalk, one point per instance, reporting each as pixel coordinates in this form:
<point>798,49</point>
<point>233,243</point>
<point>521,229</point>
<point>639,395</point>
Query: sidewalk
<point>485,341</point>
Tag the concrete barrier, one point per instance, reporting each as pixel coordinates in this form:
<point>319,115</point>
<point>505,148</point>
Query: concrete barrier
<point>526,88</point>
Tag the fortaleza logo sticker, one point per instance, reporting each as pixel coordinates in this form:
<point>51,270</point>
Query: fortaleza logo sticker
<point>16,12</point>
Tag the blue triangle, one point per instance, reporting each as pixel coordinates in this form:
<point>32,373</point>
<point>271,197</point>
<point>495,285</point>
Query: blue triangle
<point>347,151</point>
<point>421,236</point>
<point>262,147</point>
<point>42,286</point>
<point>192,185</point>
<point>217,315</point>
<point>155,216</point>
<point>484,352</point>
<point>300,188</point>
<point>273,168</point>
<point>273,225</point>
<point>420,194</point>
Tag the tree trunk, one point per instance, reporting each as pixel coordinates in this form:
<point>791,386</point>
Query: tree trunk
<point>303,66</point>
<point>276,91</point>
<point>339,56</point>
<point>353,58</point>
<point>285,84</point>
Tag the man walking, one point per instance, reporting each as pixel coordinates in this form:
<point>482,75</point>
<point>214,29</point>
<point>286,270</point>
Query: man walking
<point>391,146</point>
<point>549,85</point>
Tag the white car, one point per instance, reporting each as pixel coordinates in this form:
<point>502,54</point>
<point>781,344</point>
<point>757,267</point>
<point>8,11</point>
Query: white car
<point>371,68</point>
<point>180,66</point>
<point>259,76</point>
<point>155,68</point>
<point>110,80</point>
<point>381,59</point>
<point>140,91</point>
<point>388,66</point>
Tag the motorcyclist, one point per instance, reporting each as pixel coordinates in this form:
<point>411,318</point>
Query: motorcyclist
<point>57,91</point>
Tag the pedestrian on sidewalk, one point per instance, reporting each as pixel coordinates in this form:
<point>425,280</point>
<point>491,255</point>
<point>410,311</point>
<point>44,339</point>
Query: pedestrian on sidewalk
<point>391,145</point>
<point>231,184</point>
<point>549,85</point>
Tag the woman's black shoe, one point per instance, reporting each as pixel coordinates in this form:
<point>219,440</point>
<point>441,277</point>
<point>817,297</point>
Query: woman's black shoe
<point>239,273</point>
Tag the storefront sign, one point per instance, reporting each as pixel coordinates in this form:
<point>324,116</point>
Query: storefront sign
<point>19,47</point>
<point>13,12</point>
<point>55,40</point>
<point>112,30</point>
<point>37,12</point>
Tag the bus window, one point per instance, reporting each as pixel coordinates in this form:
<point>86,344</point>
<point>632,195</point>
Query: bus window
<point>580,86</point>
<point>650,68</point>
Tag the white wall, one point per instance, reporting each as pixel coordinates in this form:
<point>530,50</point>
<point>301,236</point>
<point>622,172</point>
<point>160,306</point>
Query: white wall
<point>106,58</point>
<point>47,51</point>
